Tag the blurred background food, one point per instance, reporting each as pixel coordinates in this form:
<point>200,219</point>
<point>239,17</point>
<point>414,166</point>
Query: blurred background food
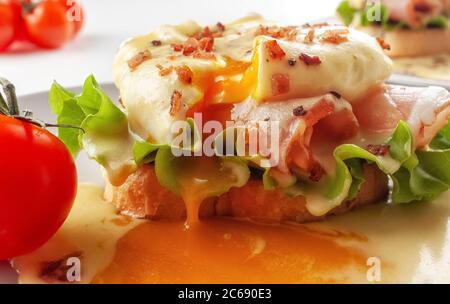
<point>416,32</point>
<point>46,24</point>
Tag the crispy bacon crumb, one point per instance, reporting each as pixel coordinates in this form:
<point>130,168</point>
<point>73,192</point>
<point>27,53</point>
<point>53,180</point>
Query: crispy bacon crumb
<point>203,55</point>
<point>288,32</point>
<point>309,38</point>
<point>190,46</point>
<point>207,32</point>
<point>337,36</point>
<point>184,74</point>
<point>220,27</point>
<point>292,61</point>
<point>315,25</point>
<point>164,71</point>
<point>56,271</point>
<point>206,44</point>
<point>299,111</point>
<point>379,150</point>
<point>138,59</point>
<point>175,102</point>
<point>177,47</point>
<point>310,60</point>
<point>316,173</point>
<point>280,84</point>
<point>156,43</point>
<point>336,94</point>
<point>384,45</point>
<point>275,51</point>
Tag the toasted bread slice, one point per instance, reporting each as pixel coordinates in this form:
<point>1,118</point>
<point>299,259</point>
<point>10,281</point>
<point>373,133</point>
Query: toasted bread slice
<point>141,196</point>
<point>413,43</point>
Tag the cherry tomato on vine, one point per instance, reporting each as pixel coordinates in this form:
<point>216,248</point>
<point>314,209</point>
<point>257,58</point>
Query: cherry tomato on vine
<point>9,19</point>
<point>76,14</point>
<point>38,183</point>
<point>47,24</point>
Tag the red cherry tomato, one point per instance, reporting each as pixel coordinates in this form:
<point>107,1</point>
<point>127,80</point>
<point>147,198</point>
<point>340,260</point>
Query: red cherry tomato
<point>8,24</point>
<point>38,183</point>
<point>47,25</point>
<point>75,13</point>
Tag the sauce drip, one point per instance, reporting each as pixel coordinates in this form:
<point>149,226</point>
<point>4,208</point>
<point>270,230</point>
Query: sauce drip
<point>201,178</point>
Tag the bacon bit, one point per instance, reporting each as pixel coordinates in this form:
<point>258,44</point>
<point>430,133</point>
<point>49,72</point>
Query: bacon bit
<point>156,43</point>
<point>292,61</point>
<point>275,51</point>
<point>299,111</point>
<point>205,32</point>
<point>203,55</point>
<point>177,47</point>
<point>190,46</point>
<point>288,33</point>
<point>138,59</point>
<point>316,173</point>
<point>384,45</point>
<point>309,38</point>
<point>379,150</point>
<point>262,31</point>
<point>335,36</point>
<point>184,74</point>
<point>310,60</point>
<point>56,271</point>
<point>175,103</point>
<point>280,84</point>
<point>164,71</point>
<point>336,94</point>
<point>206,44</point>
<point>315,25</point>
<point>220,27</point>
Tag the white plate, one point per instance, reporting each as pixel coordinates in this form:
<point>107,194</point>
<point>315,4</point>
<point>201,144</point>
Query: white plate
<point>413,238</point>
<point>88,171</point>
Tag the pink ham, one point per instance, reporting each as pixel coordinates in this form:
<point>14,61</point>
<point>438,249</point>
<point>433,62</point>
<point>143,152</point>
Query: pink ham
<point>330,121</point>
<point>329,112</point>
<point>426,110</point>
<point>414,12</point>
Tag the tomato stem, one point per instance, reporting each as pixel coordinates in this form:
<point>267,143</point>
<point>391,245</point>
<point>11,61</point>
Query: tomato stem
<point>10,107</point>
<point>10,94</point>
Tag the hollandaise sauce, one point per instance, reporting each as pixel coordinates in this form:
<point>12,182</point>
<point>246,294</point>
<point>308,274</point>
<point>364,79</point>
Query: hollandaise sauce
<point>116,249</point>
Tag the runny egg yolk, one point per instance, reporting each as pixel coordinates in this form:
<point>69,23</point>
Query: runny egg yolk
<point>222,88</point>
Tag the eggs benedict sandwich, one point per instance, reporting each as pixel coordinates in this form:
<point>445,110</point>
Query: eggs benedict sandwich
<point>410,27</point>
<point>259,121</point>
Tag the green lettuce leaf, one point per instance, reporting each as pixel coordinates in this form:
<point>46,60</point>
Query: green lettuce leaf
<point>346,12</point>
<point>103,132</point>
<point>440,22</point>
<point>375,14</point>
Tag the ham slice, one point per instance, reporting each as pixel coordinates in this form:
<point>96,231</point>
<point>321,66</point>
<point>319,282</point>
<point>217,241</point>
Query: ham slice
<point>414,12</point>
<point>334,120</point>
<point>297,119</point>
<point>426,110</point>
